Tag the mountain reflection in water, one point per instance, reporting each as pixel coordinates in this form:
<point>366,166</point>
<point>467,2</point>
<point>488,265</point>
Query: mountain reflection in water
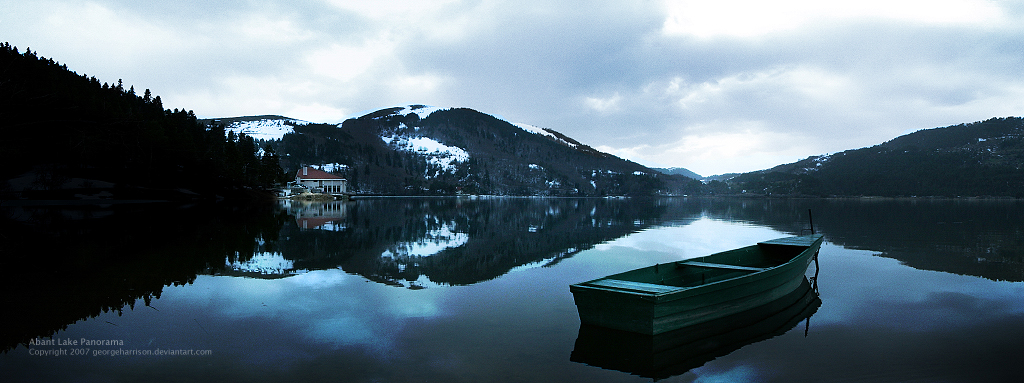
<point>458,241</point>
<point>417,242</point>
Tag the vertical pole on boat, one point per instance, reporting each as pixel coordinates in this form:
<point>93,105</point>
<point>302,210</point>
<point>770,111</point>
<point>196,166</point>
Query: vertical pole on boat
<point>810,220</point>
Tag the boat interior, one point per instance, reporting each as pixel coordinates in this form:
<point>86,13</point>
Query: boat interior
<point>730,264</point>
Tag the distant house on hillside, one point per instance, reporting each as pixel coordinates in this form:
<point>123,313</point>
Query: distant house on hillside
<point>320,181</point>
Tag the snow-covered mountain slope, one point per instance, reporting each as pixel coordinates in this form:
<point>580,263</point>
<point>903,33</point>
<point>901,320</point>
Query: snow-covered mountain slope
<point>445,157</point>
<point>265,127</point>
<point>547,133</point>
<point>422,111</point>
<point>273,127</point>
<point>419,149</point>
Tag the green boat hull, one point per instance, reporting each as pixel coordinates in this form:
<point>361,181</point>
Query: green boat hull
<point>664,297</point>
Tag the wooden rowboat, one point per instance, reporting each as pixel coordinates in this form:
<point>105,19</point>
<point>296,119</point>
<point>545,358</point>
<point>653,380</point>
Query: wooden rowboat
<point>664,297</point>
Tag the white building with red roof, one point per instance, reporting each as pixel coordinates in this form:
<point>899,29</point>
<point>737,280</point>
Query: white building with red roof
<point>320,181</point>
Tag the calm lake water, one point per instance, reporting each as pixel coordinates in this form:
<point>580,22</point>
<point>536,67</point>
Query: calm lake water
<point>477,290</point>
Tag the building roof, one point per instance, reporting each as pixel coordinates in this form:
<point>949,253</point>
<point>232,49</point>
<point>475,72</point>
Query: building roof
<point>308,173</point>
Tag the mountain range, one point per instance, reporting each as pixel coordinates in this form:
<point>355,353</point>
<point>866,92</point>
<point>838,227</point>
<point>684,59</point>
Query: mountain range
<point>70,136</point>
<point>418,149</point>
<point>680,171</point>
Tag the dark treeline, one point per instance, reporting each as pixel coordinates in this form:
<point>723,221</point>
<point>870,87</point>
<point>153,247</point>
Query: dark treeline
<point>59,126</point>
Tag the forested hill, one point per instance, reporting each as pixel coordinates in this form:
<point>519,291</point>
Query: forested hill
<point>424,150</point>
<point>680,171</point>
<point>427,150</point>
<point>69,136</point>
<point>979,159</point>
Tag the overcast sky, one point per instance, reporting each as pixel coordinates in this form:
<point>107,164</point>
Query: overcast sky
<point>713,86</point>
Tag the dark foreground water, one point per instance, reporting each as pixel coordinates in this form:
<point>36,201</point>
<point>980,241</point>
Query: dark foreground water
<point>462,290</point>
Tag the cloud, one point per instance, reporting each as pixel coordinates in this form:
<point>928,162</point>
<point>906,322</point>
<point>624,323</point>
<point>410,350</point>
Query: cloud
<point>348,62</point>
<point>746,19</point>
<point>603,105</point>
<point>720,147</point>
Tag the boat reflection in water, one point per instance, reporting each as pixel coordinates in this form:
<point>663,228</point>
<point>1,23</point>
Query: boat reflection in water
<point>678,351</point>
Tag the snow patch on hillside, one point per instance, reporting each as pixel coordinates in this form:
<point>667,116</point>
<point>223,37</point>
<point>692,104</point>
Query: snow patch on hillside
<point>818,161</point>
<point>421,110</point>
<point>443,156</point>
<point>534,129</point>
<point>264,129</point>
<point>330,168</point>
<point>544,132</point>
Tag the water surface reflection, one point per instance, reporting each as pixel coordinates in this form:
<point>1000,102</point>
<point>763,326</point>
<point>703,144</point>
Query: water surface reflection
<point>925,290</point>
<point>71,263</point>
